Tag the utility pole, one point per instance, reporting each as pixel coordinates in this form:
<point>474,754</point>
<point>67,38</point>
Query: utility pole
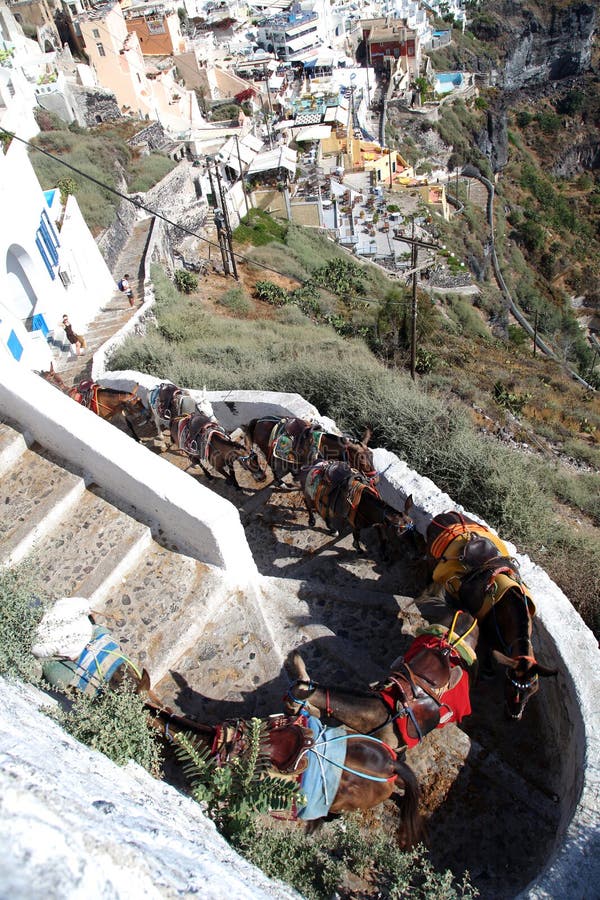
<point>415,244</point>
<point>237,144</point>
<point>224,230</point>
<point>390,164</point>
<point>535,331</point>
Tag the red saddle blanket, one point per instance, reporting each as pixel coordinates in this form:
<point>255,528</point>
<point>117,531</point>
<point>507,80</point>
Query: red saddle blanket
<point>455,702</point>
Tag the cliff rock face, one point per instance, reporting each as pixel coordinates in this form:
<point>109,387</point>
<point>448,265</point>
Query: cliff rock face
<point>493,141</point>
<point>548,46</point>
<point>580,157</point>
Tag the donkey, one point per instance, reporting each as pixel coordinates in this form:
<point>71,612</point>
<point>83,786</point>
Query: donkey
<point>341,495</point>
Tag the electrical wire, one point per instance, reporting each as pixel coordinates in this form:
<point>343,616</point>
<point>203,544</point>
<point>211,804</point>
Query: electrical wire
<point>140,205</point>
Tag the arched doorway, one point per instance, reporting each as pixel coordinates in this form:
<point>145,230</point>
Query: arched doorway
<point>20,298</point>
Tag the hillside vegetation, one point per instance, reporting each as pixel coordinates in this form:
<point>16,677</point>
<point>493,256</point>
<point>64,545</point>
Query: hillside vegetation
<point>101,152</point>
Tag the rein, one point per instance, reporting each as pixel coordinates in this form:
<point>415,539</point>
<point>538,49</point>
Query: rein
<point>365,775</point>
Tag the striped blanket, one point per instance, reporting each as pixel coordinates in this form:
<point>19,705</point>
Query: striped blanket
<point>95,666</point>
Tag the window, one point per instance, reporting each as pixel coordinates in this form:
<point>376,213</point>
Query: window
<point>96,33</point>
<point>156,26</point>
<point>100,49</point>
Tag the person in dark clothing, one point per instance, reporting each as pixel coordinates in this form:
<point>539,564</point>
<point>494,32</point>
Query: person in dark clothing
<point>76,340</point>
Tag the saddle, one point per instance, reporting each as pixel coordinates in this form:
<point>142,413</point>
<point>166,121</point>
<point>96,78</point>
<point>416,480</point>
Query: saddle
<point>288,439</point>
<point>194,434</point>
<point>429,689</point>
<point>288,742</point>
<point>88,393</point>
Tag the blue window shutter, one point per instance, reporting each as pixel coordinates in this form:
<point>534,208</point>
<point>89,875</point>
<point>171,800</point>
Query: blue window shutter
<point>50,246</point>
<point>51,228</point>
<point>15,346</point>
<point>44,255</point>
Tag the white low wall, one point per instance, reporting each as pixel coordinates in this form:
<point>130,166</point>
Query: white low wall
<point>200,522</point>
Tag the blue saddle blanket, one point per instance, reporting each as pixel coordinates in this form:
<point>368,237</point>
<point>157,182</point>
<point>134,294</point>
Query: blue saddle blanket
<point>321,780</point>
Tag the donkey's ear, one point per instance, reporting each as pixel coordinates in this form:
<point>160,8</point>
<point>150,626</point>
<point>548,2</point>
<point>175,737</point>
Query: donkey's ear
<point>144,684</point>
<point>368,434</point>
<point>52,368</point>
<point>544,671</point>
<point>505,660</point>
<point>408,503</point>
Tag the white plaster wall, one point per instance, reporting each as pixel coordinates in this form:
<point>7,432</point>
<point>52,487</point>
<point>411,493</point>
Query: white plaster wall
<point>200,522</point>
<point>22,198</point>
<point>92,285</point>
<point>73,824</point>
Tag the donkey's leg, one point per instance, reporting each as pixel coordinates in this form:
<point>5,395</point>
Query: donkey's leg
<point>356,540</point>
<point>311,511</point>
<point>208,474</point>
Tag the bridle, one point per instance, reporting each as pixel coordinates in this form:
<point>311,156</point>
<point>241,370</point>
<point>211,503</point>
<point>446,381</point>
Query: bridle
<point>250,463</point>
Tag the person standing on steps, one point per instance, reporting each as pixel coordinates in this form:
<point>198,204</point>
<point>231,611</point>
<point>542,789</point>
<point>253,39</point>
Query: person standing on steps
<point>125,287</point>
<point>75,340</point>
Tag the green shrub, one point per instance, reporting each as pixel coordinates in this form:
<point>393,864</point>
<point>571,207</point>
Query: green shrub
<point>147,171</point>
<point>115,723</point>
<point>237,301</point>
<point>234,793</point>
<point>259,228</point>
<point>21,610</point>
<point>325,865</point>
<point>470,322</point>
<point>185,282</point>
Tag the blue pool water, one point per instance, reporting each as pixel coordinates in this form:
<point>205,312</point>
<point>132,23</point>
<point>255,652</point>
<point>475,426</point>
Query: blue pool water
<point>453,78</point>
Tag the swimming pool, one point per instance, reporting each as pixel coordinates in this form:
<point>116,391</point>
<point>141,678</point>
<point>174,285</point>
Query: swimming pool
<point>447,81</point>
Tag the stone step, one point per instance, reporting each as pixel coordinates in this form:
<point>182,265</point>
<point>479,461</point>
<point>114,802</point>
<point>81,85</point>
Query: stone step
<point>35,494</point>
<point>219,674</point>
<point>158,608</point>
<point>86,554</point>
<point>12,445</point>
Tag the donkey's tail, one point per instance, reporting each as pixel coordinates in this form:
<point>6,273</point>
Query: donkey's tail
<point>408,803</point>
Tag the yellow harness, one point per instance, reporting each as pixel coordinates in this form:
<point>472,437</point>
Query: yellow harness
<point>448,548</point>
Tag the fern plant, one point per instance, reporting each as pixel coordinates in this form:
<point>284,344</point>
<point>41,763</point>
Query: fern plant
<point>234,793</point>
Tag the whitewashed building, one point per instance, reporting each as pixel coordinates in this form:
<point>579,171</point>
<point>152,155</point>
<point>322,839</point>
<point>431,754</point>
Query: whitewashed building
<point>49,264</point>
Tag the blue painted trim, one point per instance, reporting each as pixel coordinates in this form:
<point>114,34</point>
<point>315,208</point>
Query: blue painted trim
<point>15,346</point>
<point>51,228</point>
<point>38,323</point>
<point>50,245</point>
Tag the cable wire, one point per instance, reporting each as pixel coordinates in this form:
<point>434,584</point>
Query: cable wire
<point>140,205</point>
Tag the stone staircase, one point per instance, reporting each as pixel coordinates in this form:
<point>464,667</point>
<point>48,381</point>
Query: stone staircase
<point>207,645</point>
<point>113,315</point>
<point>154,599</point>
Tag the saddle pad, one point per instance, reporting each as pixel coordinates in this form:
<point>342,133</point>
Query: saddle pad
<point>97,663</point>
<point>451,560</point>
<point>465,650</point>
<point>321,780</point>
<point>457,697</point>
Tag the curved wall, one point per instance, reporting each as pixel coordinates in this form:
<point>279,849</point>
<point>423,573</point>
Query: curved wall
<point>563,640</point>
